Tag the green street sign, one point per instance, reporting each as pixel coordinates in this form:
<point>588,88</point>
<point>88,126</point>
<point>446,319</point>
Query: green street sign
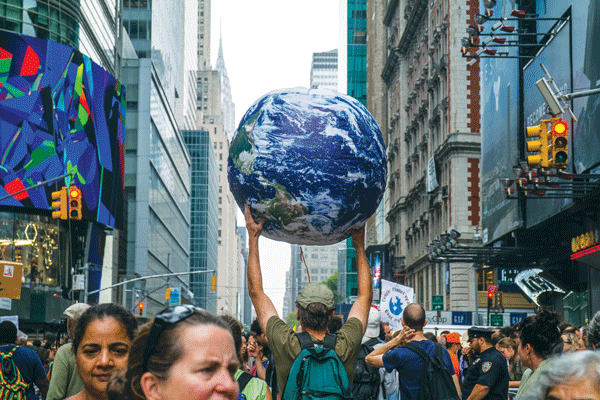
<point>497,320</point>
<point>437,303</point>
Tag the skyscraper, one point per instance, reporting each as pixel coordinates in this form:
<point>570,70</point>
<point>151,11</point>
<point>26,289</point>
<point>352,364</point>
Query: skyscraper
<point>203,221</point>
<point>356,45</point>
<point>227,104</point>
<point>324,70</point>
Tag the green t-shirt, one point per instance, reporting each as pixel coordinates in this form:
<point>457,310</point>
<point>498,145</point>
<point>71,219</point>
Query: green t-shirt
<point>64,380</point>
<point>529,380</point>
<point>285,347</point>
<point>256,389</point>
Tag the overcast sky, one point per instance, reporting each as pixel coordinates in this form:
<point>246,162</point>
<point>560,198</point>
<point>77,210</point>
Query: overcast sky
<point>268,45</point>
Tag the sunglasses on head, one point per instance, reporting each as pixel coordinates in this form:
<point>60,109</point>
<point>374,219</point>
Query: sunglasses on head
<point>163,320</point>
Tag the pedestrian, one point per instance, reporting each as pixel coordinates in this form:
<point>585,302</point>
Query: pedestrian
<point>539,340</point>
<point>510,350</point>
<point>442,338</point>
<point>184,353</point>
<point>593,332</point>
<point>453,347</point>
<point>410,365</point>
<point>64,379</point>
<point>487,376</point>
<point>25,360</point>
<point>255,350</point>
<point>265,369</point>
<point>372,383</point>
<point>251,387</point>
<point>573,376</point>
<point>101,344</point>
<point>314,308</point>
<point>465,355</point>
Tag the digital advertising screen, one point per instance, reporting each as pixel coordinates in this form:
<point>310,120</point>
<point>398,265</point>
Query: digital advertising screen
<point>60,113</point>
<point>499,130</point>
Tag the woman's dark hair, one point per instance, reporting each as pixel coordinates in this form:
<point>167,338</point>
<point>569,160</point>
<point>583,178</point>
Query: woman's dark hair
<point>316,316</point>
<point>235,327</point>
<point>125,385</point>
<point>430,336</point>
<point>102,311</point>
<point>541,332</point>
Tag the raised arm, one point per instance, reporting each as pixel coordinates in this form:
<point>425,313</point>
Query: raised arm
<point>262,304</point>
<point>360,308</point>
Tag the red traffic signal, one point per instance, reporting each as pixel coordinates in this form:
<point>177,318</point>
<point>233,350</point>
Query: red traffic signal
<point>75,198</point>
<point>140,309</point>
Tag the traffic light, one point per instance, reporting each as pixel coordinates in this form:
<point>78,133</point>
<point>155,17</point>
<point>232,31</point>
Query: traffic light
<point>559,134</point>
<point>140,309</point>
<point>59,204</point>
<point>539,146</point>
<point>75,203</point>
<point>501,299</point>
<point>213,283</point>
<point>168,294</point>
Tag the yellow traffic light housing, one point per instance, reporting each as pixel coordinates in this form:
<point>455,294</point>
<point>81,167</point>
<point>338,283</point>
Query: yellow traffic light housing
<point>140,309</point>
<point>213,283</point>
<point>539,146</point>
<point>75,198</point>
<point>59,204</point>
<point>559,137</point>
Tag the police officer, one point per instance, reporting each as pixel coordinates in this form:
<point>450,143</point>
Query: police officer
<point>487,377</point>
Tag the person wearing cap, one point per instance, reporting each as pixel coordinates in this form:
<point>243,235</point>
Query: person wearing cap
<point>453,347</point>
<point>487,376</point>
<point>388,384</point>
<point>64,378</point>
<point>314,307</point>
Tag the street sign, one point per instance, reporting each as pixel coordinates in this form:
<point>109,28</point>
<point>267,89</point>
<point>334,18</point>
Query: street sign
<point>462,318</point>
<point>515,318</point>
<point>175,299</point>
<point>79,282</point>
<point>437,303</point>
<point>11,274</point>
<point>496,310</point>
<point>497,320</point>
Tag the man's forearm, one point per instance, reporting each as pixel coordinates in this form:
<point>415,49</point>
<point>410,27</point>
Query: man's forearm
<point>255,283</point>
<point>363,276</point>
<point>479,392</point>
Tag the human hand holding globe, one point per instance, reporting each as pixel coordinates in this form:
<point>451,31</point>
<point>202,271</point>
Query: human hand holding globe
<point>312,163</point>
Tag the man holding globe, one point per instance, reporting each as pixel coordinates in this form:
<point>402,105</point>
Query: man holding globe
<point>315,307</point>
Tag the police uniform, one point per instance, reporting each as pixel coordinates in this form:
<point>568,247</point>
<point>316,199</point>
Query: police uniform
<point>490,369</point>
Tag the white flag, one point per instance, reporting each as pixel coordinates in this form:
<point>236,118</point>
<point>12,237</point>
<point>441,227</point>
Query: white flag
<point>394,299</point>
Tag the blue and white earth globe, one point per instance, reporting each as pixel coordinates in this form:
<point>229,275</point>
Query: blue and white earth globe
<point>312,162</point>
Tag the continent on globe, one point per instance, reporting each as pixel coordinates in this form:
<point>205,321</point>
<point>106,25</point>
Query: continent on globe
<point>312,162</point>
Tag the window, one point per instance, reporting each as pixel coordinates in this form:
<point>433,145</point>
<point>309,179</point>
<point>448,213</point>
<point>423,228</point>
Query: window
<point>220,156</point>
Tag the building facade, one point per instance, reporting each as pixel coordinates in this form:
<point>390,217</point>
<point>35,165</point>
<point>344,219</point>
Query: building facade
<point>204,223</point>
<point>433,139</point>
<point>324,70</point>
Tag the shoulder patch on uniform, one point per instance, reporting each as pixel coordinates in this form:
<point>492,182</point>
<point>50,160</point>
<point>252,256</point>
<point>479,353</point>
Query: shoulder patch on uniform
<point>485,367</point>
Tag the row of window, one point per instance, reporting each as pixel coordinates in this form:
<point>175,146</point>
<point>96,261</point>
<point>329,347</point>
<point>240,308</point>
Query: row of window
<point>138,29</point>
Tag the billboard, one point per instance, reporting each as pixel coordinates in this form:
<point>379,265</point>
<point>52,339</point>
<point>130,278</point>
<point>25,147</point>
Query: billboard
<point>60,113</point>
<point>499,137</point>
<point>555,56</point>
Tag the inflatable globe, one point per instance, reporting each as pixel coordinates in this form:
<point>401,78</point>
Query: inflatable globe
<point>311,162</point>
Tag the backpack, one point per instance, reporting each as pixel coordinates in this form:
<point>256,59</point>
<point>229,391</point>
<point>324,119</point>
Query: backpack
<point>436,382</point>
<point>12,384</point>
<point>317,372</point>
<point>367,380</point>
<point>242,381</point>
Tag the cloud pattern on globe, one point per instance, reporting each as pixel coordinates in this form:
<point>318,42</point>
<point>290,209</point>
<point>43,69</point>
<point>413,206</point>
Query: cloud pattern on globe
<point>311,162</point>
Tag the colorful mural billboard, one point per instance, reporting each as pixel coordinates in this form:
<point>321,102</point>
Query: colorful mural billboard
<point>60,113</point>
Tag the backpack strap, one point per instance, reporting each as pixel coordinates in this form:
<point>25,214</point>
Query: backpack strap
<point>418,350</point>
<point>305,341</point>
<point>329,341</point>
<point>243,380</point>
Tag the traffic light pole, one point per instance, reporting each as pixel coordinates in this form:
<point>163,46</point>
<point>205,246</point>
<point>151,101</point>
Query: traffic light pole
<point>36,185</point>
<point>86,293</point>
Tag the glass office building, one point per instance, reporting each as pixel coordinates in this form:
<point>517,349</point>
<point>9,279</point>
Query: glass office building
<point>357,50</point>
<point>204,223</point>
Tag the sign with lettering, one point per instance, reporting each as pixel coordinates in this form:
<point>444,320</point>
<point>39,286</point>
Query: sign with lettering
<point>584,241</point>
<point>394,299</point>
<point>462,318</point>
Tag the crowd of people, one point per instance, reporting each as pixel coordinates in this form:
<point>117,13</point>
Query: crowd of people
<point>185,353</point>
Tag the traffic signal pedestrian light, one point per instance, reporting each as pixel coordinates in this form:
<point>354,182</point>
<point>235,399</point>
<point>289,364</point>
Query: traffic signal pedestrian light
<point>540,146</point>
<point>559,137</point>
<point>213,283</point>
<point>75,203</point>
<point>59,204</point>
